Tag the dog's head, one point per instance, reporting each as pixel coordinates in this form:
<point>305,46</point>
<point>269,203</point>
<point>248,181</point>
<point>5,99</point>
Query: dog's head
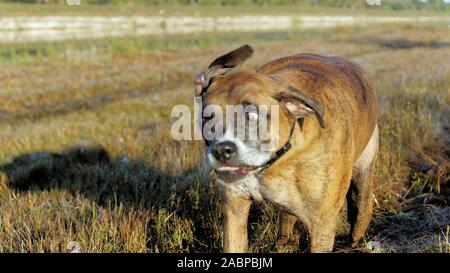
<point>263,113</point>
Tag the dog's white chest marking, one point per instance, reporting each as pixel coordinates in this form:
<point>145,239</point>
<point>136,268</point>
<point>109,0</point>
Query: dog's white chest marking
<point>248,186</point>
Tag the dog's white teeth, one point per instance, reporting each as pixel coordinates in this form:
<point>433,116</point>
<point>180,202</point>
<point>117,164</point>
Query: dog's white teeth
<point>228,169</point>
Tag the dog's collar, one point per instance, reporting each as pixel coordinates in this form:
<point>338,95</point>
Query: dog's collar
<point>278,154</point>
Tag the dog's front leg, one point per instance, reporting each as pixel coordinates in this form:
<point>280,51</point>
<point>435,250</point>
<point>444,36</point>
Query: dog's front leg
<point>236,209</point>
<point>322,235</point>
<point>286,222</point>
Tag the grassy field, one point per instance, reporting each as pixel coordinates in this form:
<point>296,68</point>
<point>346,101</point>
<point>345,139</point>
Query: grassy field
<point>86,153</point>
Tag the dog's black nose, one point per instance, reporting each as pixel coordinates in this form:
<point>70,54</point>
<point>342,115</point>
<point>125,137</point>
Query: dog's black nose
<point>224,150</point>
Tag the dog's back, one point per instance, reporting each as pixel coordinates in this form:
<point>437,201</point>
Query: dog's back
<point>332,79</point>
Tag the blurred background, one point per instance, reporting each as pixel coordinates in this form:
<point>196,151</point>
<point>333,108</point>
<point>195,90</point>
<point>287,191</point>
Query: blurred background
<point>86,90</point>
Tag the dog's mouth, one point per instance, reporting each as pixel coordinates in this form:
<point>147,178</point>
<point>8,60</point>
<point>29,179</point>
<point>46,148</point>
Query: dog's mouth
<point>233,170</point>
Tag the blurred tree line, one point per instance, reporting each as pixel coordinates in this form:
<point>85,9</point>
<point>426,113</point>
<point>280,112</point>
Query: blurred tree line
<point>354,4</point>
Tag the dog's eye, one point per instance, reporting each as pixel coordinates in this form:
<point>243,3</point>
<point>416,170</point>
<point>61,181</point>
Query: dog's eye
<point>252,116</point>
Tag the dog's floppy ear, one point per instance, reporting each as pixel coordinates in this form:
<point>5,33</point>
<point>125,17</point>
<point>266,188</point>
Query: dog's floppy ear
<point>222,65</point>
<point>233,58</point>
<point>300,105</point>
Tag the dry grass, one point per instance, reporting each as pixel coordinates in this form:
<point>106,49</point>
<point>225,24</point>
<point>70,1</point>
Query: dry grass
<point>87,156</point>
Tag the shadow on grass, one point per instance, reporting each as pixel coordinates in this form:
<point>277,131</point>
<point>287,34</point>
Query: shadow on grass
<point>188,195</point>
<point>93,174</point>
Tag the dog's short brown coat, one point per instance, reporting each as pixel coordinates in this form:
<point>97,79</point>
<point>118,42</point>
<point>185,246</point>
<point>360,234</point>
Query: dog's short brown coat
<point>326,166</point>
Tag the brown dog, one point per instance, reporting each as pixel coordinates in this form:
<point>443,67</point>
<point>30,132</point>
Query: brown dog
<point>325,160</point>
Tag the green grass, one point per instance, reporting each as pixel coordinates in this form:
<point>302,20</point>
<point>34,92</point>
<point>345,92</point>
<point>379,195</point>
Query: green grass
<point>16,9</point>
<point>87,156</point>
<point>36,52</point>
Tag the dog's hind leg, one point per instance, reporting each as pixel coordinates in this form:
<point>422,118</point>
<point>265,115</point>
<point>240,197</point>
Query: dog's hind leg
<point>359,196</point>
<point>359,205</point>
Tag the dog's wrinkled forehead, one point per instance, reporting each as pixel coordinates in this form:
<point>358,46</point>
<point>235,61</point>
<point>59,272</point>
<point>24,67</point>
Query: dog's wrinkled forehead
<point>239,88</point>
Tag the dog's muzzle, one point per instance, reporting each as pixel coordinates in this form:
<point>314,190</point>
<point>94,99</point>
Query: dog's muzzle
<point>223,151</point>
